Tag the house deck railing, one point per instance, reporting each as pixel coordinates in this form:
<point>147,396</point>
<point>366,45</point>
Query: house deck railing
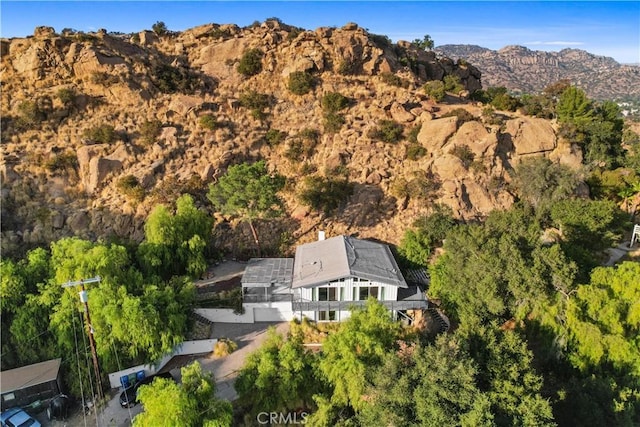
<point>302,305</point>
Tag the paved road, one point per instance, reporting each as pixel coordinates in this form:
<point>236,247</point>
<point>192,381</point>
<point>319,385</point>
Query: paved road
<point>249,337</point>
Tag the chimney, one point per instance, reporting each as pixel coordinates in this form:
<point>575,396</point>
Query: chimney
<point>320,235</point>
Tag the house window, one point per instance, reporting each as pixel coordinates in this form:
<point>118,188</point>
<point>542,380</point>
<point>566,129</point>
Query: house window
<point>327,294</point>
<point>382,293</point>
<point>327,316</point>
<point>8,396</point>
<point>342,294</point>
<point>363,294</point>
<point>373,292</point>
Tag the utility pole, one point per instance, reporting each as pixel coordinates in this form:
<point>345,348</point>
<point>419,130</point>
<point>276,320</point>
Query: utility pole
<point>92,343</point>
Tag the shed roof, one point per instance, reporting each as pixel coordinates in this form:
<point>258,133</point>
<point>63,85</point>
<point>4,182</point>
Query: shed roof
<point>30,375</point>
<point>344,256</point>
<point>261,272</point>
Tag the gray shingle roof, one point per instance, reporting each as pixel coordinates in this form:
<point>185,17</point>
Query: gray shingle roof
<point>268,271</point>
<point>343,256</point>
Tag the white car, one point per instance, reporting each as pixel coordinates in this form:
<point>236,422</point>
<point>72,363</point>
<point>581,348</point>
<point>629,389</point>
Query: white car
<point>16,417</point>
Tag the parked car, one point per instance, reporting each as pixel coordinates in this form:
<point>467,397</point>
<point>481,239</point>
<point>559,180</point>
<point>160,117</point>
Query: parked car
<point>129,396</point>
<point>16,417</point>
<point>59,407</point>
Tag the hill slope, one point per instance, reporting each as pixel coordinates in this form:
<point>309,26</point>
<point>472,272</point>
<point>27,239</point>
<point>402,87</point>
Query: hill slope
<point>521,69</point>
<point>182,113</point>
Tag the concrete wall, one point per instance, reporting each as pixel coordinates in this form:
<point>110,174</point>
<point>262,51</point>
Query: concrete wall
<point>187,347</point>
<point>253,312</point>
<point>226,315</point>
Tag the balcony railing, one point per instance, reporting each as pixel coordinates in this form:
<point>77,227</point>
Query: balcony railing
<point>267,298</point>
<point>346,305</point>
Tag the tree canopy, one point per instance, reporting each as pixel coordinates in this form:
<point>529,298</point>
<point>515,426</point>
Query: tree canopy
<point>248,192</point>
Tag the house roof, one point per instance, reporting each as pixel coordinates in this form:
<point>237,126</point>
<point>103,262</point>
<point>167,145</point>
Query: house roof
<point>343,256</point>
<point>30,375</point>
<point>261,272</point>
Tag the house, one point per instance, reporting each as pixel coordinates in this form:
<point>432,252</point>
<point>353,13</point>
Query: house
<point>325,279</point>
<point>27,384</point>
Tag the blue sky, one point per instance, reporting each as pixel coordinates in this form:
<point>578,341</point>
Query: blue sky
<point>603,28</point>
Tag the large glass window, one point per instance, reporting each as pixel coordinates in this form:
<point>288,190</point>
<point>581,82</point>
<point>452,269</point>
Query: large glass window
<point>327,294</point>
<point>363,294</point>
<point>327,315</point>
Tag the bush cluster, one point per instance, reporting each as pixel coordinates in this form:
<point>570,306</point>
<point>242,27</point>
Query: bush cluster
<point>324,194</point>
<point>62,161</point>
<point>300,82</point>
<point>150,131</point>
<point>387,131</point>
<point>434,89</point>
<point>102,134</point>
<point>250,62</point>
<point>208,122</point>
<point>274,137</point>
<point>464,153</point>
<point>131,188</point>
<point>393,80</point>
<point>415,151</point>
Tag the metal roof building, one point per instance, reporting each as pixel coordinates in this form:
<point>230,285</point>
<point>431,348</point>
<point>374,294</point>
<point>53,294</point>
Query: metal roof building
<point>320,262</point>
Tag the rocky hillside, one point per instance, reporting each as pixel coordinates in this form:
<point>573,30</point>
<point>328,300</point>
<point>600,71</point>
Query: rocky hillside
<point>99,128</point>
<point>521,69</point>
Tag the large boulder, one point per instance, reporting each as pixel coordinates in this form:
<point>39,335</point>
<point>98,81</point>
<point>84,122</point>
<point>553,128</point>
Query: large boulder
<point>530,135</point>
<point>434,134</point>
<point>99,169</point>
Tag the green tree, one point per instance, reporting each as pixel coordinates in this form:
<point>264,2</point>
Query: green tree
<point>426,43</point>
<point>160,28</point>
<point>433,385</point>
<point>541,182</point>
<point>356,350</point>
<point>332,102</point>
<point>249,192</point>
<point>191,404</point>
<point>150,131</point>
<point>324,194</point>
<point>428,232</point>
<point>279,376</point>
<point>176,244</point>
<point>574,107</point>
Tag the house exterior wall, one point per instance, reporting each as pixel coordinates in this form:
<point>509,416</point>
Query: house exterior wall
<point>28,395</point>
<point>349,289</point>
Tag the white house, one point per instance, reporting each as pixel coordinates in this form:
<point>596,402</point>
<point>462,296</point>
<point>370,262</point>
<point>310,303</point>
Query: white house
<point>325,279</point>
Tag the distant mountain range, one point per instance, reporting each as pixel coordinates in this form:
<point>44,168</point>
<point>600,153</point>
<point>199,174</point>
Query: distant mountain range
<point>521,69</point>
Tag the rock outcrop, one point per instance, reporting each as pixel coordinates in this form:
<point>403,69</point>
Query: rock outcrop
<point>178,116</point>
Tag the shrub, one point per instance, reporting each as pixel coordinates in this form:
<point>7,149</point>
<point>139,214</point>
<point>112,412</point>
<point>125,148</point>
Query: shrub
<point>103,134</point>
<point>274,137</point>
<point>399,188</point>
<point>462,115</point>
<point>348,67</point>
<point>29,115</point>
<point>250,62</point>
<point>208,122</point>
<point>333,122</point>
<point>63,161</point>
<point>413,134</point>
<point>293,34</point>
<point>423,185</point>
<point>324,194</point>
<point>300,82</point>
<point>170,79</point>
<point>387,131</point>
<point>416,151</point>
<point>303,146</point>
<point>130,187</point>
<point>452,83</point>
<point>67,96</point>
<point>160,28</point>
<point>464,153</point>
<point>104,79</point>
<point>393,80</point>
<point>150,131</point>
<point>434,90</point>
<point>224,347</point>
<point>332,102</point>
<point>256,102</point>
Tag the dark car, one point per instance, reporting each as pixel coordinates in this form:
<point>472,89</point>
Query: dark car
<point>129,396</point>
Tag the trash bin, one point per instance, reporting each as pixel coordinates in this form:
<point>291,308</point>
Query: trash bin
<point>124,380</point>
<point>140,375</point>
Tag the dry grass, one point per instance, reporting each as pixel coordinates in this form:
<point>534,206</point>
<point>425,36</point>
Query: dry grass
<point>224,347</point>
